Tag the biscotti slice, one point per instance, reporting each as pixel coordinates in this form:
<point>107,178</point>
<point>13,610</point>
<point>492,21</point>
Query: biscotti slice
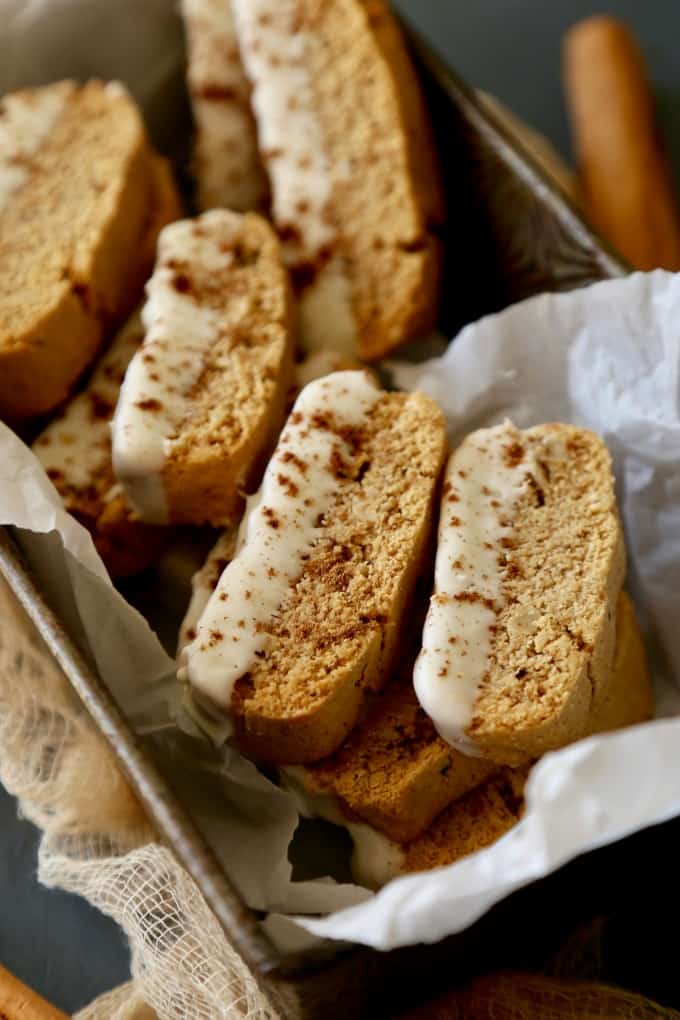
<point>627,698</point>
<point>345,138</point>
<point>475,821</point>
<point>75,450</point>
<point>226,159</point>
<point>304,621</point>
<point>204,397</point>
<point>165,207</point>
<point>394,771</point>
<point>520,633</point>
<point>204,582</point>
<point>77,194</point>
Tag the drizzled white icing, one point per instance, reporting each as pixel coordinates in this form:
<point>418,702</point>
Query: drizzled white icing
<point>485,477</point>
<point>204,582</point>
<point>181,329</point>
<point>274,48</point>
<point>291,137</point>
<point>299,486</point>
<point>375,858</point>
<point>227,161</point>
<point>26,121</point>
<point>76,447</point>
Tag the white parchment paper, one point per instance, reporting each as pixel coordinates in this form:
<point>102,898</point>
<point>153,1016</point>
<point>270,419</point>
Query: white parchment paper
<point>607,357</point>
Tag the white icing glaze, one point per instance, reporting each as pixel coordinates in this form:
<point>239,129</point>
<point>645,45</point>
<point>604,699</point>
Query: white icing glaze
<point>204,582</point>
<point>227,160</point>
<point>280,531</point>
<point>180,333</point>
<point>25,124</point>
<point>375,858</point>
<point>303,177</point>
<point>290,133</point>
<point>482,485</point>
<point>76,446</point>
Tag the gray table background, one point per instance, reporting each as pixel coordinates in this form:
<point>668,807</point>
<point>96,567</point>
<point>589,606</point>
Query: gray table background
<point>58,943</point>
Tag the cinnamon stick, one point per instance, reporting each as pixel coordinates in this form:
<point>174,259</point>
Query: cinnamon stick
<point>17,1002</point>
<point>627,189</point>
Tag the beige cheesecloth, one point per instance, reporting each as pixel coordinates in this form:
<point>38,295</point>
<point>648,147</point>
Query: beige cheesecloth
<point>97,842</point>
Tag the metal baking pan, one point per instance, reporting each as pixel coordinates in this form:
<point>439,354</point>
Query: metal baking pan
<point>511,233</point>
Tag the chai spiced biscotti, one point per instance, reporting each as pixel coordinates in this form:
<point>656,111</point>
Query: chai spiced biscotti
<point>79,201</point>
<point>204,397</point>
<point>397,774</point>
<point>475,821</point>
<point>520,634</point>
<point>75,450</point>
<point>345,138</point>
<point>394,771</point>
<point>494,807</point>
<point>226,160</point>
<point>481,815</point>
<point>305,620</point>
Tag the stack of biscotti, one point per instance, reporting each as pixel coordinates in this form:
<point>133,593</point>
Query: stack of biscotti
<point>529,644</point>
<point>75,450</point>
<point>325,98</point>
<point>519,638</point>
<point>82,198</point>
<point>306,619</point>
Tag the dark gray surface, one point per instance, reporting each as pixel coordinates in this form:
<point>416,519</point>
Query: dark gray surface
<point>57,943</point>
<point>512,48</point>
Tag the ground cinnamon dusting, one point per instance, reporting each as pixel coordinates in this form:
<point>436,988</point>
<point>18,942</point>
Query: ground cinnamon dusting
<point>100,407</point>
<point>181,283</point>
<point>149,405</point>
<point>513,454</point>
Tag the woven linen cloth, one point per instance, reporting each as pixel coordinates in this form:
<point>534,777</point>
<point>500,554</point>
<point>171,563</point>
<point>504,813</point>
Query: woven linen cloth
<point>97,842</point>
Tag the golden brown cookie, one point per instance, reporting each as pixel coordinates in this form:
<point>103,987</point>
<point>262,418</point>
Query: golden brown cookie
<point>78,206</point>
<point>520,633</point>
<point>627,698</point>
<point>203,399</point>
<point>394,771</point>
